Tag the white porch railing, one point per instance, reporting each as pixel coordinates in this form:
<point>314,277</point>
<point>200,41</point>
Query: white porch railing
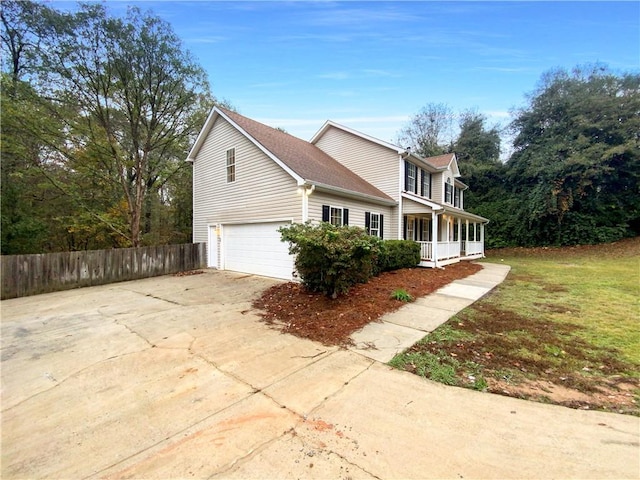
<point>426,251</point>
<point>448,250</point>
<point>473,248</point>
<point>445,250</point>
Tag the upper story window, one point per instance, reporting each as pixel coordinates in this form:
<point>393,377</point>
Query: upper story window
<point>231,165</point>
<point>337,216</point>
<point>448,191</point>
<point>373,223</point>
<point>410,177</point>
<point>457,197</point>
<point>425,184</point>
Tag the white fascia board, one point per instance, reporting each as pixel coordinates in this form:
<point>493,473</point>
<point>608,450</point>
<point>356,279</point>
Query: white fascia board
<point>331,123</point>
<point>453,165</point>
<point>462,184</point>
<point>427,203</point>
<point>322,187</point>
<point>202,135</point>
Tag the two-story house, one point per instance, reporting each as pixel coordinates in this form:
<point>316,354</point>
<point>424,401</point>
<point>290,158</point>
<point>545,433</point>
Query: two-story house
<point>250,179</point>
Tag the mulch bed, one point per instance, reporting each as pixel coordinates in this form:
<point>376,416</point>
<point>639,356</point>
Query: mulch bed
<point>292,309</point>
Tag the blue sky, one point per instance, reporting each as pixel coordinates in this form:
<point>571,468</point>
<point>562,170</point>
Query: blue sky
<point>371,65</point>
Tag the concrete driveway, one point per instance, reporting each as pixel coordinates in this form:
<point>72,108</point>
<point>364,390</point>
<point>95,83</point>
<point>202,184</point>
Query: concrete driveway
<point>175,377</point>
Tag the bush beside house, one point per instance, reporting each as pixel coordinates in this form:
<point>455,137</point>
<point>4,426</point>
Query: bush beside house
<point>332,259</point>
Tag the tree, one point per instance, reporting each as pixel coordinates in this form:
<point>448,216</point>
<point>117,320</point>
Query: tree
<point>429,132</point>
<point>136,95</point>
<point>476,143</point>
<point>576,164</point>
<point>478,150</point>
<point>122,101</point>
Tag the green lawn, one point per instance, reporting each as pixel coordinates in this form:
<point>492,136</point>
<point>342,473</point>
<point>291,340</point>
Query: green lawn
<point>565,316</point>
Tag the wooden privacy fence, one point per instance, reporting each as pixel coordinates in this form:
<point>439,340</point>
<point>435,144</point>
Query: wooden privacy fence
<point>24,275</point>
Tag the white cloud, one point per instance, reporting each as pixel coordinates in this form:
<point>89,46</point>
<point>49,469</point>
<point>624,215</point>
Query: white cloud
<point>335,76</point>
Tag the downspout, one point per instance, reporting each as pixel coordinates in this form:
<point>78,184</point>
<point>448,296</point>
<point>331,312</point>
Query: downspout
<point>434,237</point>
<point>401,158</point>
<point>307,190</point>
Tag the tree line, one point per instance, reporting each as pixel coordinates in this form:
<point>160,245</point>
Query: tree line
<point>573,176</point>
<point>99,112</point>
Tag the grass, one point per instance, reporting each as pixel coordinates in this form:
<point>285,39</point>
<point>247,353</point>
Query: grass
<point>402,295</point>
<point>566,316</point>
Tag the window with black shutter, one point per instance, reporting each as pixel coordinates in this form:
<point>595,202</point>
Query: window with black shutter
<point>337,216</point>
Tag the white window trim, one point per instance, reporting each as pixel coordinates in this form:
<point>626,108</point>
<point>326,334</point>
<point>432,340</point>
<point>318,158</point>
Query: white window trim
<point>331,209</point>
<point>228,165</point>
<point>412,166</point>
<point>371,229</point>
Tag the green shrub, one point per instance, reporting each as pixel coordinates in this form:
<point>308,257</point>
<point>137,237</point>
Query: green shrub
<point>399,254</point>
<point>332,259</point>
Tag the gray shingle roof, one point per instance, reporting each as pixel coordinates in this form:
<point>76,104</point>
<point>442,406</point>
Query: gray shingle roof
<point>306,160</point>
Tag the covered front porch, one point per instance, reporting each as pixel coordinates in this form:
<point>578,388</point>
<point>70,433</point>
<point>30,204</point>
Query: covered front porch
<point>446,237</point>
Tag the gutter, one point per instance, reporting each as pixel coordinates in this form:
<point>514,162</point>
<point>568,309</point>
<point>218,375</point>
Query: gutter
<point>348,193</point>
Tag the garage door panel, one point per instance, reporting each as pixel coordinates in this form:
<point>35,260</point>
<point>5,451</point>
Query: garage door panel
<point>256,248</point>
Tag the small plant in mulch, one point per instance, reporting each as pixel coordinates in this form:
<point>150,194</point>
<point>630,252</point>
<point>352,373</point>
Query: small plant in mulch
<point>401,295</point>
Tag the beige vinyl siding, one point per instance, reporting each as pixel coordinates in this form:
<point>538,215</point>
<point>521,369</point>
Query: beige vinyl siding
<point>437,187</point>
<point>357,210</point>
<point>411,207</point>
<point>378,165</point>
<point>262,190</point>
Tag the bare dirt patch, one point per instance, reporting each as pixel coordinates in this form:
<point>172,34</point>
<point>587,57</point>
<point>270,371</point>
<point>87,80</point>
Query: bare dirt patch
<point>533,358</point>
<point>292,309</point>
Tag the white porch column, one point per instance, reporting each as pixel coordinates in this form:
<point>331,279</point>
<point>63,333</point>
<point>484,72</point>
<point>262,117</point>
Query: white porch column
<point>459,236</point>
<point>434,237</point>
<point>482,237</point>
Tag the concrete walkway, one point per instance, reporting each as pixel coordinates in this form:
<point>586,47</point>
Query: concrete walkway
<point>177,377</point>
<point>401,329</point>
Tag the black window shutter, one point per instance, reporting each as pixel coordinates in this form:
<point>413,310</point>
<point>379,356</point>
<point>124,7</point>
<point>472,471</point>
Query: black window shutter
<point>404,227</point>
<point>415,229</point>
<point>345,216</point>
<point>422,175</point>
<point>325,213</point>
<point>421,225</point>
<point>406,175</point>
<point>430,179</point>
<point>381,226</point>
<point>367,222</point>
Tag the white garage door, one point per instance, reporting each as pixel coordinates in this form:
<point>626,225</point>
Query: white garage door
<point>256,248</point>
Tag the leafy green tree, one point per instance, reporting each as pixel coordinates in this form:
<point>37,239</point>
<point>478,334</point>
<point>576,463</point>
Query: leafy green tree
<point>113,105</point>
<point>575,170</point>
<point>477,143</point>
<point>136,96</point>
<point>478,150</point>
